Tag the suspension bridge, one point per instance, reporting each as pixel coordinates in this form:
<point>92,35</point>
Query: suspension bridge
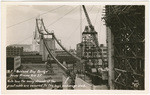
<point>41,32</point>
<point>125,41</point>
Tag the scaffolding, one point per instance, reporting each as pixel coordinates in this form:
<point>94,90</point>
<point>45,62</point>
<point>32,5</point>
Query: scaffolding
<point>127,25</point>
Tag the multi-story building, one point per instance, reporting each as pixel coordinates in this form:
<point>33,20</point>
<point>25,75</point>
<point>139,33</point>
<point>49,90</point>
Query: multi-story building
<point>17,49</point>
<point>26,47</point>
<point>31,53</point>
<point>13,62</point>
<point>61,53</point>
<point>63,56</point>
<point>92,54</point>
<point>79,50</point>
<point>87,49</point>
<point>31,59</point>
<point>87,54</point>
<point>14,51</point>
<point>26,56</point>
<point>104,51</point>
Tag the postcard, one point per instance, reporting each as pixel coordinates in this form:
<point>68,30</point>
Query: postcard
<point>75,47</point>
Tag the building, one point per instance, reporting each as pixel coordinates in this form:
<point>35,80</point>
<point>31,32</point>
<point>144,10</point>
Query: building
<point>31,59</point>
<point>92,54</point>
<point>61,53</point>
<point>17,49</point>
<point>26,47</point>
<point>79,50</point>
<point>104,51</point>
<point>30,53</point>
<point>63,56</point>
<point>72,51</point>
<point>13,62</point>
<point>14,51</point>
<point>87,49</point>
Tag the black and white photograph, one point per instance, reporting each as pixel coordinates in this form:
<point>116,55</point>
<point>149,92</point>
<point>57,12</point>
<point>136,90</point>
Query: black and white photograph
<point>75,47</point>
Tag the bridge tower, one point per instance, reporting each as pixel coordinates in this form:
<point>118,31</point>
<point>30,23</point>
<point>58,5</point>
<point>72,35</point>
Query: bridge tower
<point>43,50</point>
<point>39,36</point>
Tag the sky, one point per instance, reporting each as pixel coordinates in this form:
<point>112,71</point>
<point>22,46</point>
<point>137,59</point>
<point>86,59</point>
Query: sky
<point>21,22</point>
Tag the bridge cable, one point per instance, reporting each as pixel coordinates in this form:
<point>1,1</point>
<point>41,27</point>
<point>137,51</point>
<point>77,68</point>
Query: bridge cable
<point>49,50</point>
<point>59,42</point>
<point>34,17</point>
<point>97,15</point>
<point>78,25</point>
<point>24,39</point>
<point>61,17</point>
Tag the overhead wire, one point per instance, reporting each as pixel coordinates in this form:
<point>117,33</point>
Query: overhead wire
<point>35,17</point>
<point>45,13</point>
<point>56,60</point>
<point>55,39</point>
<point>61,17</point>
<point>30,19</point>
<point>46,45</point>
<point>24,39</point>
<point>53,22</point>
<point>97,15</point>
<point>78,25</point>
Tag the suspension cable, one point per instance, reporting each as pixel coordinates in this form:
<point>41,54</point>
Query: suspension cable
<point>65,49</point>
<point>79,25</point>
<point>59,42</point>
<point>35,17</point>
<point>61,17</point>
<point>49,51</point>
<point>97,15</point>
<point>25,39</point>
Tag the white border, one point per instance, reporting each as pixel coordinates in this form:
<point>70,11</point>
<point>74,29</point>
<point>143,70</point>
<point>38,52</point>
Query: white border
<point>75,0</point>
<point>3,56</point>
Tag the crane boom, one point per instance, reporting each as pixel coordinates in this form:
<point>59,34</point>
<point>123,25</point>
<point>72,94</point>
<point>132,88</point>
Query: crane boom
<point>93,30</point>
<point>88,19</point>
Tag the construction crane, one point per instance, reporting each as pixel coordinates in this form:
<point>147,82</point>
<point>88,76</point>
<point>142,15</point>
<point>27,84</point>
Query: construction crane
<point>43,31</point>
<point>88,19</point>
<point>93,34</point>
